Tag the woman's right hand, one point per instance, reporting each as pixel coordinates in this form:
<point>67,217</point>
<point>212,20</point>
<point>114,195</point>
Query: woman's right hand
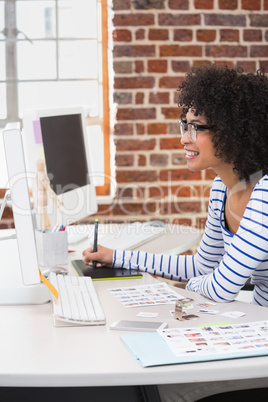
<point>103,256</point>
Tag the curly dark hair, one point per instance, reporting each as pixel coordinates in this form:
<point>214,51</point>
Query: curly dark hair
<point>237,104</point>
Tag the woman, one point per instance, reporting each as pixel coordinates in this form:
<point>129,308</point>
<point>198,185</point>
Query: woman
<point>224,126</point>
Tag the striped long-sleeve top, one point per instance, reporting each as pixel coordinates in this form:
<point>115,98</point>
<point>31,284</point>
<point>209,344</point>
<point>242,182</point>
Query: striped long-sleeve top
<point>223,261</point>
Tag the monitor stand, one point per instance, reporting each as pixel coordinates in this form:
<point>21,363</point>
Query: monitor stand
<point>12,289</point>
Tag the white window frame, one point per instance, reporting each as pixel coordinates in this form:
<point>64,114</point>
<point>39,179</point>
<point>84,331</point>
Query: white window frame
<point>10,35</point>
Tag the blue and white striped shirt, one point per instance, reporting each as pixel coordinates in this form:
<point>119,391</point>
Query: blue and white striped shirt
<point>223,261</point>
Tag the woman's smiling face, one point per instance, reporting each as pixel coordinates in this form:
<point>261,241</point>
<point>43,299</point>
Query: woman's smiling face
<point>201,153</point>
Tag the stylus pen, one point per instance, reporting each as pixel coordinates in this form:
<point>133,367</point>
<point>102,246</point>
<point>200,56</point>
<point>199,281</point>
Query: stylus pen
<point>95,246</point>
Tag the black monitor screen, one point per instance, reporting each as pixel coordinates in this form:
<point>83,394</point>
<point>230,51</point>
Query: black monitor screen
<point>65,152</point>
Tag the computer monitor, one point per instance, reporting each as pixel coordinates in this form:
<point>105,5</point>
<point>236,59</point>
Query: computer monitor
<point>19,272</point>
<point>58,138</point>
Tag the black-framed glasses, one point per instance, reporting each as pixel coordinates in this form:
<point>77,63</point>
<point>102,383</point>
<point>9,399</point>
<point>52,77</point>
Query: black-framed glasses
<point>192,128</point>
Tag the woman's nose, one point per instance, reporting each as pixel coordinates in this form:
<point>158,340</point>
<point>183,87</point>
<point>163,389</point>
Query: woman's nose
<point>185,138</point>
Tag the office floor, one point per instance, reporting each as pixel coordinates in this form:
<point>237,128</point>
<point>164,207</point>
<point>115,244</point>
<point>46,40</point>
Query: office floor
<point>259,394</point>
<point>70,394</point>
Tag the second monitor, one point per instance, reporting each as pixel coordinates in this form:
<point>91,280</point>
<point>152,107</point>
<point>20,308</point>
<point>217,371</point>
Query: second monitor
<point>60,165</point>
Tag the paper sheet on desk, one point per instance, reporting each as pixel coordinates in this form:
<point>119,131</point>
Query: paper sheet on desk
<point>151,349</point>
<point>127,237</point>
<point>146,295</point>
<point>78,233</point>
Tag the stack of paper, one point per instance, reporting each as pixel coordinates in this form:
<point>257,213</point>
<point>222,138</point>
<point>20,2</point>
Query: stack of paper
<point>187,345</point>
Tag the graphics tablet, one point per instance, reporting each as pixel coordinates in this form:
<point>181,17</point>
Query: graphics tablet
<point>104,273</point>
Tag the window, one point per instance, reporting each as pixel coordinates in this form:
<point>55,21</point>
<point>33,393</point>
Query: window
<point>53,54</point>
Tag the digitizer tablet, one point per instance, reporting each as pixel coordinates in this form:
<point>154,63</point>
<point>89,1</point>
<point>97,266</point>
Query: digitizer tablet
<point>104,273</point>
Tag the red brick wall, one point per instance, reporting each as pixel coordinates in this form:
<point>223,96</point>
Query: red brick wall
<point>155,43</point>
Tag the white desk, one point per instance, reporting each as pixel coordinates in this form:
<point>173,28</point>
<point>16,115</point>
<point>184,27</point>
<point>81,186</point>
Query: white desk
<point>34,353</point>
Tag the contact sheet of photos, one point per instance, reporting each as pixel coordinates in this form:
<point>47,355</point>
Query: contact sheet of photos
<point>145,295</point>
<point>223,339</point>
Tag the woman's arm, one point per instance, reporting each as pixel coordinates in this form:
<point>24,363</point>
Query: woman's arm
<point>175,267</point>
<point>182,267</point>
<point>246,255</point>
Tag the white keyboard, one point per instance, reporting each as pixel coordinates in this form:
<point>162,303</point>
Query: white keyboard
<point>78,302</point>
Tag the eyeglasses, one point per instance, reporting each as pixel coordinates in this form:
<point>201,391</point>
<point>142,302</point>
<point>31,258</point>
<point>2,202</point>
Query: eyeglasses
<point>192,128</point>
